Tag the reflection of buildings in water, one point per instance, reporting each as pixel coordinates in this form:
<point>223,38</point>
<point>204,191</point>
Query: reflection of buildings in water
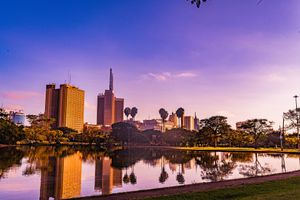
<point>106,177</point>
<point>61,177</point>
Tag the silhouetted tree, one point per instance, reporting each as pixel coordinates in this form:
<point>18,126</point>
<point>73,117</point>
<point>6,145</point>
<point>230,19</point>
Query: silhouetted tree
<point>291,119</point>
<point>180,114</point>
<point>215,127</point>
<point>133,112</point>
<point>257,128</point>
<point>127,112</point>
<point>197,2</point>
<point>163,114</point>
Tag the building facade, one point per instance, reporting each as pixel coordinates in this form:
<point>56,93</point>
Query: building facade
<point>65,105</point>
<point>109,108</point>
<point>189,123</point>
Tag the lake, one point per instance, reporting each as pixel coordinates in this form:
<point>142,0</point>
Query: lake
<point>64,172</point>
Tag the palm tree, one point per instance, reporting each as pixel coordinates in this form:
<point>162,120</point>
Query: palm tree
<point>133,112</point>
<point>197,2</point>
<point>180,114</point>
<point>127,111</point>
<point>163,114</point>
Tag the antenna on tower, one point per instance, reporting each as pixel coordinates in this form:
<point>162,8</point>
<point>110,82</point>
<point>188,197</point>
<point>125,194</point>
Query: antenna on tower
<point>69,77</point>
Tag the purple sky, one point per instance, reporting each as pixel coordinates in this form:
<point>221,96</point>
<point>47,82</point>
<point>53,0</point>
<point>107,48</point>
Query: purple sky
<point>232,58</point>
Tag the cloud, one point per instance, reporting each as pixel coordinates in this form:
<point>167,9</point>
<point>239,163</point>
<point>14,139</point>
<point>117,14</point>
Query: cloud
<point>19,95</point>
<point>14,107</point>
<point>164,76</point>
<point>186,75</point>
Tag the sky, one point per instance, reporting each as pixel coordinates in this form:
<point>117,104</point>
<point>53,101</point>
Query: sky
<point>235,58</point>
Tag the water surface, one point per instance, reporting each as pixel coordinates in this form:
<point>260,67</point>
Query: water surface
<point>56,173</point>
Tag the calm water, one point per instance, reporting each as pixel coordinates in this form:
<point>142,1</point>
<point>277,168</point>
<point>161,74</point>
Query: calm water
<point>48,172</point>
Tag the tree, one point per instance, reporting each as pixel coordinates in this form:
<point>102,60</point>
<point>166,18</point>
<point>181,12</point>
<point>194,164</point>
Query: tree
<point>291,119</point>
<point>257,128</point>
<point>127,112</point>
<point>215,127</point>
<point>197,2</point>
<point>180,114</point>
<point>133,112</point>
<point>3,114</point>
<point>163,114</point>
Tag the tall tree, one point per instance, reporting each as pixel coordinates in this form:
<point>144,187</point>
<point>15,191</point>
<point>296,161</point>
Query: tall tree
<point>291,118</point>
<point>163,114</point>
<point>215,127</point>
<point>180,114</point>
<point>257,128</point>
<point>127,112</point>
<point>3,114</point>
<point>133,112</point>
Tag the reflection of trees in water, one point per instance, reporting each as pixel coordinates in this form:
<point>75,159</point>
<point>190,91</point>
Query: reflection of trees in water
<point>255,169</point>
<point>243,157</point>
<point>126,179</point>
<point>9,157</point>
<point>163,175</point>
<point>180,178</point>
<point>215,168</point>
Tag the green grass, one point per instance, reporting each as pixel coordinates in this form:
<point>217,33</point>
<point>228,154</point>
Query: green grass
<point>272,190</point>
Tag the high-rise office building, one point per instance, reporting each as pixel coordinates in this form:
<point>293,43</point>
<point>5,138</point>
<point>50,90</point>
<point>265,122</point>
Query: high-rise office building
<point>189,123</point>
<point>65,105</point>
<point>109,108</point>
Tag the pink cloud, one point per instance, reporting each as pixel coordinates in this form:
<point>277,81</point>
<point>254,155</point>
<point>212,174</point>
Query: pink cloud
<point>14,107</point>
<point>19,95</point>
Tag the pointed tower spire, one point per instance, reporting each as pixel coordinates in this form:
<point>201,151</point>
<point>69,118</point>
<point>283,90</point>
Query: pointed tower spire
<point>111,80</point>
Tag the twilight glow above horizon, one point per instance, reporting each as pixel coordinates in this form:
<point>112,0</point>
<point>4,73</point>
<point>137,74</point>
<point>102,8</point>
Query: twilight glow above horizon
<point>235,58</point>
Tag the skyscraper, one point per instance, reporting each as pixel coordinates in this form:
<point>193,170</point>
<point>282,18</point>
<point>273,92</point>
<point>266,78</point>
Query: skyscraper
<point>189,123</point>
<point>109,108</point>
<point>65,105</point>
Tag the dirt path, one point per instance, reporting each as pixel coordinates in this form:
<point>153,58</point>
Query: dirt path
<point>199,187</point>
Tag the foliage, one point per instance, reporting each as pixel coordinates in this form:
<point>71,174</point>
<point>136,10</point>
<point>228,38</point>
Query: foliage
<point>214,127</point>
<point>127,112</point>
<point>127,133</point>
<point>257,128</point>
<point>133,112</point>
<point>197,2</point>
<point>163,114</point>
<point>10,133</point>
<point>180,114</point>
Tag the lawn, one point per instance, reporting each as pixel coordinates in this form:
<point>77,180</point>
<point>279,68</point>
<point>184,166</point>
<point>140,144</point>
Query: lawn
<point>272,190</point>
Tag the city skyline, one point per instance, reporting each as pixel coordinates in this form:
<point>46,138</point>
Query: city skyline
<point>234,64</point>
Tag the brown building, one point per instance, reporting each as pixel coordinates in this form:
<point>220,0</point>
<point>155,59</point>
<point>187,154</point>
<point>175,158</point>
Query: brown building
<point>61,177</point>
<point>65,105</point>
<point>109,108</point>
<point>189,123</point>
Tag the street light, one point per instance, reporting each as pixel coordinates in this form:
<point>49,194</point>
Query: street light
<point>297,118</point>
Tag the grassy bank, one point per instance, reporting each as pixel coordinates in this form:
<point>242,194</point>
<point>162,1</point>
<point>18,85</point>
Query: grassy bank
<point>279,190</point>
<point>239,149</point>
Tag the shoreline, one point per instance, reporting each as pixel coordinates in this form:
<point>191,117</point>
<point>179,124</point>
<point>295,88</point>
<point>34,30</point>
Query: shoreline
<point>219,149</point>
<point>191,188</point>
<point>226,149</point>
